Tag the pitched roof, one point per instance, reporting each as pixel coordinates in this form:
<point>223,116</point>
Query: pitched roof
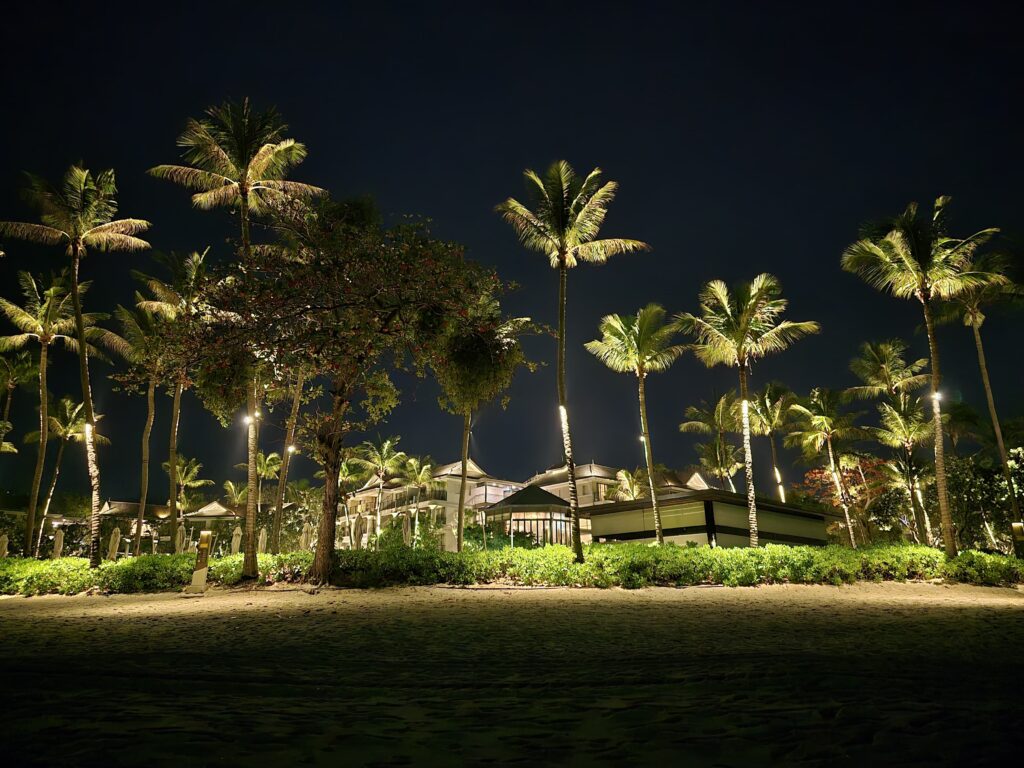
<point>559,474</point>
<point>473,470</point>
<point>531,496</point>
<point>131,509</point>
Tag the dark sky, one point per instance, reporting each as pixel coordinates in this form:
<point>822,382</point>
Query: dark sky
<point>745,138</point>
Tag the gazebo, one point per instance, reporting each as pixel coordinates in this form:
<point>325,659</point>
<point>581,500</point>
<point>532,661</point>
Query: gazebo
<point>533,512</point>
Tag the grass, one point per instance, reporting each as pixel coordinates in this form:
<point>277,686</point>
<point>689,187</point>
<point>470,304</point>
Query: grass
<point>607,565</point>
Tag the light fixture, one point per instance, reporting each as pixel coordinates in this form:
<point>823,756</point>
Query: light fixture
<point>258,415</point>
<point>247,420</point>
<point>642,439</point>
<point>937,395</point>
<point>292,449</point>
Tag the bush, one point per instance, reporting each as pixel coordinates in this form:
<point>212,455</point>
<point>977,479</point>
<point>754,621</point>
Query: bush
<point>607,565</point>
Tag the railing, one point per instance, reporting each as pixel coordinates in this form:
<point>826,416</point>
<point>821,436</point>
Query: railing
<point>407,498</point>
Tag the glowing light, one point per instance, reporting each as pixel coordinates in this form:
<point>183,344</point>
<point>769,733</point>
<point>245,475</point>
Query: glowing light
<point>247,420</point>
<point>643,439</point>
<point>259,415</point>
<point>88,430</point>
<point>292,449</point>
<point>937,395</point>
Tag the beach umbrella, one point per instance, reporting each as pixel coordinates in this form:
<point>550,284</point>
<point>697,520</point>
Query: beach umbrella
<point>357,531</point>
<point>115,542</point>
<point>307,536</point>
<point>4,543</point>
<point>236,540</point>
<point>179,539</point>
<point>58,544</point>
<point>261,545</point>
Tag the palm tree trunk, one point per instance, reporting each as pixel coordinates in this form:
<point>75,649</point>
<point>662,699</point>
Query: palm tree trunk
<point>841,491</point>
<point>775,466</point>
<point>144,478</point>
<point>461,517</point>
<point>649,456</point>
<point>243,214</point>
<point>377,510</point>
<point>948,539</point>
<point>77,251</point>
<point>748,458</point>
<point>44,430</point>
<point>286,460</point>
<point>250,568</point>
<point>49,493</point>
<point>996,428</point>
<point>563,415</point>
<point>7,410</point>
<point>172,458</point>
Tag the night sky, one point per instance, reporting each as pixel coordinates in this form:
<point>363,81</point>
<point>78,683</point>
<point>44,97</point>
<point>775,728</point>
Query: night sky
<point>745,138</point>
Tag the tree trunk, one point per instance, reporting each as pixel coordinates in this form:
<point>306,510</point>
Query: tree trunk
<point>250,567</point>
<point>841,490</point>
<point>649,455</point>
<point>461,517</point>
<point>44,431</point>
<point>49,493</point>
<point>92,466</point>
<point>172,457</point>
<point>7,411</point>
<point>748,458</point>
<point>144,478</point>
<point>948,538</point>
<point>329,440</point>
<point>563,415</point>
<point>286,460</point>
<point>775,466</point>
<point>996,428</point>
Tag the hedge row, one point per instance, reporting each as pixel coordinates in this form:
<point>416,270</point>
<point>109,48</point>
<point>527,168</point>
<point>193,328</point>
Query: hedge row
<point>608,565</point>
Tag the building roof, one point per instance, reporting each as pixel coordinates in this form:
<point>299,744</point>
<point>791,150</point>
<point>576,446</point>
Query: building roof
<point>473,470</point>
<point>559,474</point>
<point>131,509</point>
<point>532,496</point>
<point>713,494</point>
<point>214,511</point>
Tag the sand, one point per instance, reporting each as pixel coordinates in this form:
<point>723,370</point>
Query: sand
<point>871,674</point>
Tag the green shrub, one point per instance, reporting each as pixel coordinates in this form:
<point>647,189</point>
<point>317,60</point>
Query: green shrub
<point>972,567</point>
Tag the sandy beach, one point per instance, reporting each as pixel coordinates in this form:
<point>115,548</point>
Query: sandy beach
<point>893,674</point>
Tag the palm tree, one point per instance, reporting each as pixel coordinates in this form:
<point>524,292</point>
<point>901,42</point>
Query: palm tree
<point>47,317</point>
<point>632,485</point>
<point>769,412</point>
<point>419,473</point>
<point>384,460</point>
<point>717,420</point>
<point>141,347</point>
<point>66,425</point>
<point>639,344</point>
<point>188,478</point>
<point>884,372</point>
<point>351,477</point>
<point>736,329</point>
<point>79,214</point>
<point>234,494</point>
<point>904,427</point>
<point>820,424</point>
<point>563,225</point>
<point>268,467</point>
<point>961,422</point>
<point>286,461</point>
<point>912,257</point>
<point>968,306</point>
<point>177,300</point>
<point>15,370</point>
<point>237,158</point>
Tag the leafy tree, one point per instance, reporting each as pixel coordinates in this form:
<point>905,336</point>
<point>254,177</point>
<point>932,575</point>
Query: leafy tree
<point>79,215</point>
<point>820,424</point>
<point>298,394</point>
<point>736,328</point>
<point>769,416</point>
<point>476,363</point>
<point>913,257</point>
<point>563,225</point>
<point>969,306</point>
<point>631,485</point>
<point>961,422</point>
<point>46,318</point>
<point>639,344</point>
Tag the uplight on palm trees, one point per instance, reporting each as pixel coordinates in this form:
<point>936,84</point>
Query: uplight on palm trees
<point>639,344</point>
<point>736,328</point>
<point>564,224</point>
<point>79,215</point>
<point>913,257</point>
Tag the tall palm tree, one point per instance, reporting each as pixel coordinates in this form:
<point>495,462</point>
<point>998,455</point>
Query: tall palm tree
<point>639,344</point>
<point>903,426</point>
<point>564,224</point>
<point>79,215</point>
<point>46,318</point>
<point>234,494</point>
<point>286,460</point>
<point>913,257</point>
<point>351,477</point>
<point>178,300</point>
<point>268,467</point>
<point>631,485</point>
<point>883,371</point>
<point>16,370</point>
<point>236,157</point>
<point>717,420</point>
<point>736,328</point>
<point>66,425</point>
<point>769,411</point>
<point>968,306</point>
<point>419,473</point>
<point>141,348</point>
<point>188,479</point>
<point>819,424</point>
<point>384,460</point>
